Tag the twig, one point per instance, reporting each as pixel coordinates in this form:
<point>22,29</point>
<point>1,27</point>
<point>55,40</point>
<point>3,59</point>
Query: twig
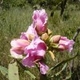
<point>76,34</point>
<point>72,53</point>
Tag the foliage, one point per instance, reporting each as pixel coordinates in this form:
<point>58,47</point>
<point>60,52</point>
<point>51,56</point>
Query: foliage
<point>4,71</point>
<point>13,3</point>
<point>20,18</point>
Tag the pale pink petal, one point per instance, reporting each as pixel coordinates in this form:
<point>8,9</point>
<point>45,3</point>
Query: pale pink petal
<point>14,43</point>
<point>40,26</point>
<point>18,46</point>
<point>43,68</point>
<point>40,20</point>
<point>70,48</point>
<point>19,43</point>
<point>24,36</point>
<point>41,49</point>
<point>43,16</point>
<point>28,61</point>
<point>31,31</point>
<point>40,14</point>
<point>35,51</point>
<point>15,55</point>
<point>66,44</point>
<point>37,46</point>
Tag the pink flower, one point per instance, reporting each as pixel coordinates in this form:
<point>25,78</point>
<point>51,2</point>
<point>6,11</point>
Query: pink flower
<point>66,44</point>
<point>40,20</point>
<point>43,68</point>
<point>18,46</point>
<point>35,52</point>
<point>29,34</point>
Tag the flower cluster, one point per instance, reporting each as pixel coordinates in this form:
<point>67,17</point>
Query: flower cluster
<point>32,45</point>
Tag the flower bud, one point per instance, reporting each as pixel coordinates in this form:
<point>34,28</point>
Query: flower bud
<point>49,32</point>
<point>44,36</point>
<point>55,38</point>
<point>61,47</point>
<point>52,55</point>
<point>65,44</point>
<point>31,36</point>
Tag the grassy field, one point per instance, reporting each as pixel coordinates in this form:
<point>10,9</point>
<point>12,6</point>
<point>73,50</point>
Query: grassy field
<point>16,20</point>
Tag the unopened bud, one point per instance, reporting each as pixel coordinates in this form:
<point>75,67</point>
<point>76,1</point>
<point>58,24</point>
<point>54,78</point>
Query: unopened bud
<point>55,38</point>
<point>52,55</point>
<point>31,36</point>
<point>44,36</point>
<point>49,32</point>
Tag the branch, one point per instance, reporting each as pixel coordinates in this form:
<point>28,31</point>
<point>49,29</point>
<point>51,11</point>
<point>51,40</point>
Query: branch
<point>76,34</point>
<point>72,53</point>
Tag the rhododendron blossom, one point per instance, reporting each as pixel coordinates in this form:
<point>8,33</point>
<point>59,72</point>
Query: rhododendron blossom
<point>66,44</point>
<point>40,20</point>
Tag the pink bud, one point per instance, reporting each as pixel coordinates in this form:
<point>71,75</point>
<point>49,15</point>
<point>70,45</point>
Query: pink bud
<point>66,44</point>
<point>55,38</point>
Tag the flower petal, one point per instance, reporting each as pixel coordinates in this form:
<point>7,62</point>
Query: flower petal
<point>28,61</point>
<point>43,68</point>
<point>40,20</point>
<point>15,55</point>
<point>66,44</point>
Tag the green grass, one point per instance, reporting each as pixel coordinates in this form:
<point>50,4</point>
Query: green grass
<point>16,20</point>
<point>12,23</point>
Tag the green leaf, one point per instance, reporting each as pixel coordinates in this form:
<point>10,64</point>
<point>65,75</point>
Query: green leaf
<point>30,74</point>
<point>58,1</point>
<point>68,77</point>
<point>65,61</point>
<point>4,71</point>
<point>13,71</point>
<point>58,73</point>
